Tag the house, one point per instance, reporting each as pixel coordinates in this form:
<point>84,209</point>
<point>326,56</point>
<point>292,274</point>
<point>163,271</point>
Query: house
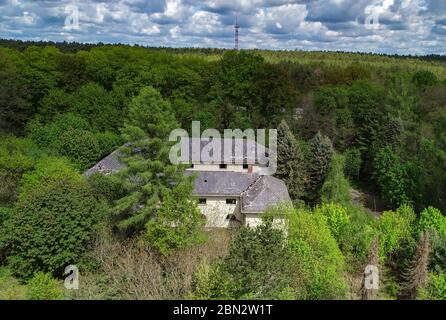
<point>231,190</point>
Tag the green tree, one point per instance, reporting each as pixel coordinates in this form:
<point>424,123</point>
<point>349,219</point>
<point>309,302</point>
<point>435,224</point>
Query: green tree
<point>177,223</point>
<point>290,162</point>
<point>50,227</point>
<point>320,155</point>
<point>150,174</point>
<point>318,263</point>
<point>80,146</point>
<point>336,188</point>
<point>258,264</point>
<point>393,177</point>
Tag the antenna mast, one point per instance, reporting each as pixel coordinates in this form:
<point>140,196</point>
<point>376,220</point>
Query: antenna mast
<point>237,28</point>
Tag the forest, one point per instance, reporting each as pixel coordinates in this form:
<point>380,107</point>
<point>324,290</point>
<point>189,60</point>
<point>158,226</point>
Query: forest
<point>361,148</point>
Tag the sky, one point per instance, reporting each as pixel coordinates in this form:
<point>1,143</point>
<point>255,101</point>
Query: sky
<point>379,26</point>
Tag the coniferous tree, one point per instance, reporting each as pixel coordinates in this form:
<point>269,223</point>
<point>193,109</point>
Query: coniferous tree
<point>290,166</point>
<point>418,272</point>
<point>321,152</point>
<point>149,175</point>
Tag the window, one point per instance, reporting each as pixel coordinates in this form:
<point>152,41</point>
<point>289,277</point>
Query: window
<point>223,166</point>
<point>245,166</point>
<point>192,166</point>
<point>231,217</point>
<point>202,201</point>
<point>231,201</point>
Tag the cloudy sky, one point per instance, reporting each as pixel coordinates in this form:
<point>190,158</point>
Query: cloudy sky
<point>384,26</point>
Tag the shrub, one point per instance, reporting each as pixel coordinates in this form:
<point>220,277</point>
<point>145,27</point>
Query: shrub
<point>80,146</point>
<point>50,227</point>
<point>432,218</point>
<point>46,135</point>
<point>337,219</point>
<point>43,287</point>
<point>336,188</point>
<point>394,228</point>
<point>109,187</point>
<point>258,265</point>
<point>46,171</point>
<point>435,288</point>
<point>319,264</point>
<point>108,142</point>
<point>17,157</point>
<point>178,221</point>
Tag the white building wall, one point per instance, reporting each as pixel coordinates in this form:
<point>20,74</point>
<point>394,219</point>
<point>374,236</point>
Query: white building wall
<point>216,211</point>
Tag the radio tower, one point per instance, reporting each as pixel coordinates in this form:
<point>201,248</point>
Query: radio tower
<point>237,28</point>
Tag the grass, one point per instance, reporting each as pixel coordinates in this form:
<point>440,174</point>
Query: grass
<point>10,287</point>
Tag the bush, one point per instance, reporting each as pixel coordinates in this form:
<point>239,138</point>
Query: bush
<point>435,288</point>
<point>80,146</point>
<point>46,135</point>
<point>432,218</point>
<point>336,188</point>
<point>258,265</point>
<point>17,157</point>
<point>43,287</point>
<point>50,227</point>
<point>46,171</point>
<point>109,187</point>
<point>108,142</point>
<point>395,228</point>
<point>319,264</point>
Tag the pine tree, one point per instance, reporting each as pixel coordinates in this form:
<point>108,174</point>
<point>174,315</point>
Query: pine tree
<point>417,274</point>
<point>321,152</point>
<point>290,166</point>
<point>149,175</point>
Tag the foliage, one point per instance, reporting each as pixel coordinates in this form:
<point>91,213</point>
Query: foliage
<point>318,263</point>
<point>10,287</point>
<point>17,157</point>
<point>150,175</point>
<point>336,188</point>
<point>178,222</point>
<point>321,151</point>
<point>393,178</point>
<point>394,228</point>
<point>258,264</point>
<point>80,146</point>
<point>435,289</point>
<point>290,163</point>
<point>353,163</point>
<point>50,227</point>
<point>44,287</point>
<point>432,218</point>
<point>46,171</point>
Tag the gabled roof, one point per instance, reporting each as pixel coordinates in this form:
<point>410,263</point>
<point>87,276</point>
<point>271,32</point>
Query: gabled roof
<point>241,150</point>
<point>221,183</point>
<point>266,191</point>
<point>108,165</point>
<point>257,192</point>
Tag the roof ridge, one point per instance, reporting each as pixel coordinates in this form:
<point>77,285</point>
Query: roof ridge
<point>251,185</point>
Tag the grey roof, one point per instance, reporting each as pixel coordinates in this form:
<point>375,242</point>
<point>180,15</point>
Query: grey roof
<point>257,192</point>
<point>108,165</point>
<point>215,183</point>
<point>242,150</point>
<point>266,191</point>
